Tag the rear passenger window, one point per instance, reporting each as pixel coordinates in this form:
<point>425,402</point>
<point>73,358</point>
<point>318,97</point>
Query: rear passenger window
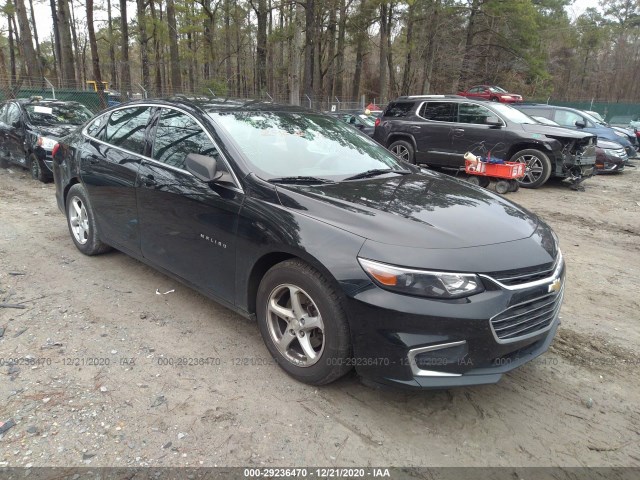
<point>178,135</point>
<point>439,111</point>
<point>399,109</point>
<point>126,128</point>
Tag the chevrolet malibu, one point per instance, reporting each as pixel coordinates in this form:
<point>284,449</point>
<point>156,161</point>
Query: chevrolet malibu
<point>346,256</point>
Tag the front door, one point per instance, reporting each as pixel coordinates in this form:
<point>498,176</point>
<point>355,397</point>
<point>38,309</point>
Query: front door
<point>472,134</point>
<point>186,225</point>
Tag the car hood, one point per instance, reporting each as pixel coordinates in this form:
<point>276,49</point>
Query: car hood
<point>602,143</point>
<point>54,131</point>
<point>423,210</point>
<point>553,131</point>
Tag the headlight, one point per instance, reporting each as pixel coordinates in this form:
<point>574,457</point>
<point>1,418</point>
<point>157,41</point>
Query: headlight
<point>421,282</point>
<point>47,143</point>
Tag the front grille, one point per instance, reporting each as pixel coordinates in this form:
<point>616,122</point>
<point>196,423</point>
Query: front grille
<point>524,275</point>
<point>527,318</point>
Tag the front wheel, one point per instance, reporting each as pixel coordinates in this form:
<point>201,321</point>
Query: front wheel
<point>82,222</point>
<point>538,167</point>
<point>403,150</point>
<point>303,323</point>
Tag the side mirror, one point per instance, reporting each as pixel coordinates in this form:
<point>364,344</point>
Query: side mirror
<point>493,121</point>
<point>580,124</point>
<point>202,167</point>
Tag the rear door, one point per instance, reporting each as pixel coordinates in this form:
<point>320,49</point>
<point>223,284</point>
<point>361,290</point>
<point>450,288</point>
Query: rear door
<point>110,162</point>
<point>437,126</point>
<point>187,226</point>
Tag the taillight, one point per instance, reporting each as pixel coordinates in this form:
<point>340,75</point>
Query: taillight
<point>56,147</point>
<point>378,122</point>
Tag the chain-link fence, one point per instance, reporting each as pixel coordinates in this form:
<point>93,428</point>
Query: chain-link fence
<point>97,98</point>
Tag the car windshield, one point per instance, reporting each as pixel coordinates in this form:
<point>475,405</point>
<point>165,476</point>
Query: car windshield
<point>54,114</point>
<point>292,144</point>
<point>511,114</point>
<point>497,90</point>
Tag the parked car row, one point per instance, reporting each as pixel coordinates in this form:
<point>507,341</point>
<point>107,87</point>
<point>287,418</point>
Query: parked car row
<point>552,141</point>
<point>345,255</point>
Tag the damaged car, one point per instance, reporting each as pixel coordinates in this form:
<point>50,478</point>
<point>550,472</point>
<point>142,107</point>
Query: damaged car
<point>437,130</point>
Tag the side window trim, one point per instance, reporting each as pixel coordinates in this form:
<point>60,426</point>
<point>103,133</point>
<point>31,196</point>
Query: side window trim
<point>237,185</point>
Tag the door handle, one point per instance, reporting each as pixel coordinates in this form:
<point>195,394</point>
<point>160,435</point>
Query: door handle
<point>458,130</point>
<point>415,128</point>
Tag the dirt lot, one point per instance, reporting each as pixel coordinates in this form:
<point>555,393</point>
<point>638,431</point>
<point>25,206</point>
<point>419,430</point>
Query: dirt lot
<point>576,406</point>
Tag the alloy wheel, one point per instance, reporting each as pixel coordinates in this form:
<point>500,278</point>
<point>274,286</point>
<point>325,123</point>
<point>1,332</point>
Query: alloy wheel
<point>401,152</point>
<point>78,220</point>
<point>534,168</point>
<point>295,325</point>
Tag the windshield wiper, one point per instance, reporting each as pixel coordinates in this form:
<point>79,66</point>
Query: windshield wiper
<point>299,179</point>
<point>375,172</point>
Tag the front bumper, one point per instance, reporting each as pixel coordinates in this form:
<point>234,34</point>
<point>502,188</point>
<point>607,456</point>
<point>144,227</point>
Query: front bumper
<point>425,343</point>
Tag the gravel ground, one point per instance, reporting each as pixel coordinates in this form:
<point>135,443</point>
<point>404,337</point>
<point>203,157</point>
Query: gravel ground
<point>98,378</point>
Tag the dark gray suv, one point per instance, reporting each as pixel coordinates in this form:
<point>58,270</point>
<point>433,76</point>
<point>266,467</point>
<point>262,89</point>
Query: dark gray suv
<point>438,129</point>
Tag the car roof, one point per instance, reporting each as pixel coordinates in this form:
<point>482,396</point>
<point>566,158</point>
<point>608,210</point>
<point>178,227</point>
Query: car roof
<point>44,101</point>
<point>217,104</point>
<point>405,98</point>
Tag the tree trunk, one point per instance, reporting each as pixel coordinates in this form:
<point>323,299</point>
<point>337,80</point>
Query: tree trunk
<point>112,50</point>
<point>261,47</point>
<point>125,73</point>
<point>430,53</point>
<point>384,45</point>
<point>67,61</point>
<point>95,60</point>
<point>310,17</point>
<point>227,50</point>
<point>56,41</point>
<point>30,58</point>
<point>35,32</point>
<point>342,27</point>
<point>12,51</point>
<point>295,52</point>
<point>144,44</point>
<point>173,47</point>
<point>408,64</point>
<point>469,54</point>
<point>76,49</point>
<point>330,77</point>
<point>156,50</point>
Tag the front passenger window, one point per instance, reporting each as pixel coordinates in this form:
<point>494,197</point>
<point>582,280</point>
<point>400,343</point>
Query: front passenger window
<point>472,113</point>
<point>567,118</point>
<point>178,135</point>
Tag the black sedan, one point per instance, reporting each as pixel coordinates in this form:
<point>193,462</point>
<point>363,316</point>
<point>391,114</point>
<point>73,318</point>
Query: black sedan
<point>30,128</point>
<point>346,256</point>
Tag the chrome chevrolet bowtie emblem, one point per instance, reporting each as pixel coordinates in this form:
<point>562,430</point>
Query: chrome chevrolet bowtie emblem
<point>555,286</point>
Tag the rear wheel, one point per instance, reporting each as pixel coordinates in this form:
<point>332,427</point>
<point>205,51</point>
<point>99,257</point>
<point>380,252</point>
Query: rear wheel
<point>403,150</point>
<point>82,222</point>
<point>38,169</point>
<point>538,167</point>
<point>514,186</point>
<point>303,323</point>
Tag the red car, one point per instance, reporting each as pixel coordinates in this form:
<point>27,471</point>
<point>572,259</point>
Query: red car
<point>491,92</point>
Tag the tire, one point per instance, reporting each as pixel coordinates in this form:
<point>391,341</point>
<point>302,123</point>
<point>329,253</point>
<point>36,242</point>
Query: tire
<point>502,186</point>
<point>484,182</point>
<point>403,150</point>
<point>82,222</point>
<point>473,180</point>
<point>538,168</point>
<point>315,353</point>
<point>495,99</point>
<point>38,170</point>
<point>514,186</point>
